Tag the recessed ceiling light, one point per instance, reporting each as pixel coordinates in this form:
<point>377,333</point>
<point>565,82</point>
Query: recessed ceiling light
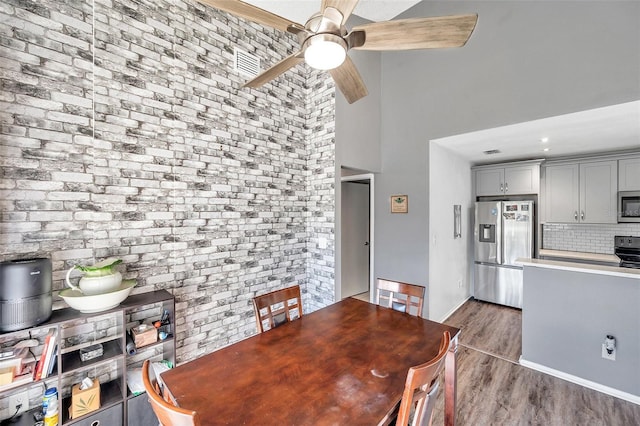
<point>544,140</point>
<point>546,149</point>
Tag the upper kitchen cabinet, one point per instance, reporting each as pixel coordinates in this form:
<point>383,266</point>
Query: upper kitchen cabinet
<point>629,174</point>
<point>581,192</point>
<point>507,179</point>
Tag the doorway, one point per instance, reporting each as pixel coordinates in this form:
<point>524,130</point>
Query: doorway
<point>357,236</point>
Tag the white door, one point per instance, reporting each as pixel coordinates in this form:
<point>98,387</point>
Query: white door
<point>355,238</point>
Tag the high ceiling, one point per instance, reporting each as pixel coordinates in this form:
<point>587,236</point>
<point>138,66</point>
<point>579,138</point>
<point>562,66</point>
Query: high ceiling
<point>300,10</point>
<point>612,128</point>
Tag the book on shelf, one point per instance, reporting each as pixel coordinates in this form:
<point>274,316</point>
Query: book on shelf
<point>49,343</point>
<point>48,360</point>
<point>52,363</point>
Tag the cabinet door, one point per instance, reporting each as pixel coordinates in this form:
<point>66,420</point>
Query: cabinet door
<point>561,193</point>
<point>490,181</point>
<point>629,174</point>
<point>598,192</point>
<point>522,180</point>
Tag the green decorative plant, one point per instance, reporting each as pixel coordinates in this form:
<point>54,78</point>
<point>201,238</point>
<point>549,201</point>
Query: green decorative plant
<point>100,269</point>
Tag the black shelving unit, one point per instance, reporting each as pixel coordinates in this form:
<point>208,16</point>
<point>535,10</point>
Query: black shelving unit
<point>117,403</point>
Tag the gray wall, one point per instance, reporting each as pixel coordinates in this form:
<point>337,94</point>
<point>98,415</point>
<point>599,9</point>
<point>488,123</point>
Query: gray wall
<point>125,132</point>
<point>450,259</point>
<point>525,60</point>
<point>566,316</point>
<point>357,133</point>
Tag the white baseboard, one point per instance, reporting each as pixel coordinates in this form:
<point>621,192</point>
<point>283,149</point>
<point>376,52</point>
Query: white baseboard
<point>580,381</point>
<point>448,314</point>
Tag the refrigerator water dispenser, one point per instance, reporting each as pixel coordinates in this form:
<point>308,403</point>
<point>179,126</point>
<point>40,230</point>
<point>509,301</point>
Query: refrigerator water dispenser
<point>487,233</point>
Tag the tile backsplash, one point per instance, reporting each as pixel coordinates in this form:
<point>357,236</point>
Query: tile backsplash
<point>591,238</point>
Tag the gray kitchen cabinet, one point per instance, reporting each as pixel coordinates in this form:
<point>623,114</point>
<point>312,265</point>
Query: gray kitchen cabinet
<point>629,174</point>
<point>508,179</point>
<point>582,192</point>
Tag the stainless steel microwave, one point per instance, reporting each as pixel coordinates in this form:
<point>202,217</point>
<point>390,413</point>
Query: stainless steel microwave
<point>628,206</point>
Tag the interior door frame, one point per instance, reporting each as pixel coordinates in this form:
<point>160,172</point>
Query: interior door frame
<point>370,178</point>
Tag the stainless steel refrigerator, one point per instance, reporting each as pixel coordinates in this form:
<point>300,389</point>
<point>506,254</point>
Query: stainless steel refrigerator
<point>504,231</point>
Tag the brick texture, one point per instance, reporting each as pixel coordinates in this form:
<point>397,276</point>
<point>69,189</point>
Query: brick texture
<point>125,132</point>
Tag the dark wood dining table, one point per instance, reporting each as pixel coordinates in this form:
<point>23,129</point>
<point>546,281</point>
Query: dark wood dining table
<point>345,364</point>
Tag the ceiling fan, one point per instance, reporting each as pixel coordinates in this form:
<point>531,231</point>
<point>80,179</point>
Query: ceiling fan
<point>325,40</point>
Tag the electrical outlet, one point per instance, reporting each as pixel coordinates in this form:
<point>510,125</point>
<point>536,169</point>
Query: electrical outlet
<point>606,355</point>
<point>19,399</point>
<point>459,283</point>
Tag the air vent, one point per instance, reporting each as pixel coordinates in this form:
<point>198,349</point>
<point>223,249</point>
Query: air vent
<point>492,151</point>
<point>245,63</point>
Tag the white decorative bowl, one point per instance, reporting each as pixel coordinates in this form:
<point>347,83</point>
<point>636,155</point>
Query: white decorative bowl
<point>97,302</point>
<point>91,286</point>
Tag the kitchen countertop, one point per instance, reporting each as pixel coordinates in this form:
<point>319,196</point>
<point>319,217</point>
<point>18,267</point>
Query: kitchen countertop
<point>581,256</point>
<point>580,267</point>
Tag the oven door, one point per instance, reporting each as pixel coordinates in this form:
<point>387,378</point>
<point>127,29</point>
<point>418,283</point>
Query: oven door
<point>629,257</point>
<point>629,206</point>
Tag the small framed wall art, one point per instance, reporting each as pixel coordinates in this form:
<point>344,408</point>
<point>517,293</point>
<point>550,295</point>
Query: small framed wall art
<point>399,204</point>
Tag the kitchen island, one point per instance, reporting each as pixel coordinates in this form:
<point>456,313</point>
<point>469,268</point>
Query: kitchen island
<point>568,309</point>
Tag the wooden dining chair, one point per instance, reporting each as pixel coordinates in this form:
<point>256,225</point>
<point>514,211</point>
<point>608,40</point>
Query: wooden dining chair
<point>168,414</point>
<point>278,307</point>
<point>421,388</point>
<point>411,296</point>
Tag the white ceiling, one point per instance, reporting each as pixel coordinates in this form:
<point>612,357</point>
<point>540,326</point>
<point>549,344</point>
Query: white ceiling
<point>300,10</point>
<point>611,128</point>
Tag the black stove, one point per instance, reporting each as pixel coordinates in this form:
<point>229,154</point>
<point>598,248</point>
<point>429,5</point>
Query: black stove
<point>628,250</point>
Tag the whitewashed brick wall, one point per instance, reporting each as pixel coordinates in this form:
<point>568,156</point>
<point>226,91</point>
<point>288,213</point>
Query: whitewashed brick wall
<point>126,132</point>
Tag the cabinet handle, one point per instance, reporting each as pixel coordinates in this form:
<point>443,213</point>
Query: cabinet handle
<point>506,187</point>
<point>575,215</point>
<point>501,188</point>
<point>582,215</point>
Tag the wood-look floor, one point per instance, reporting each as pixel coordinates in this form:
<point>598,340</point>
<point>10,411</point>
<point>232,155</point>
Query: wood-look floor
<point>490,328</point>
<point>493,389</point>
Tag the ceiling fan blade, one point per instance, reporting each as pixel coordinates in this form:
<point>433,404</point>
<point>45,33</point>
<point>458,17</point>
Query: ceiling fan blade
<point>344,6</point>
<point>417,33</point>
<point>349,81</point>
<point>254,13</point>
<point>273,72</point>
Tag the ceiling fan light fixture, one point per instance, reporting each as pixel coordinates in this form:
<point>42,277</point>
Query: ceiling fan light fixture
<point>324,51</point>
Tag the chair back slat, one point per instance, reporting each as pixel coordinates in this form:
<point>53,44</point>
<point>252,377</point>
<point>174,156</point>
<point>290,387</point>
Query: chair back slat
<point>167,414</point>
<point>277,307</point>
<point>400,296</point>
<point>421,388</point>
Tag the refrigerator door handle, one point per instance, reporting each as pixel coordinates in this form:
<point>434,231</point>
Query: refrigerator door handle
<point>499,234</point>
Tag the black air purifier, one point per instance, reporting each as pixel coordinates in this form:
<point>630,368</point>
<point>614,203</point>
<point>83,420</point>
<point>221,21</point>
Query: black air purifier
<point>25,293</point>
